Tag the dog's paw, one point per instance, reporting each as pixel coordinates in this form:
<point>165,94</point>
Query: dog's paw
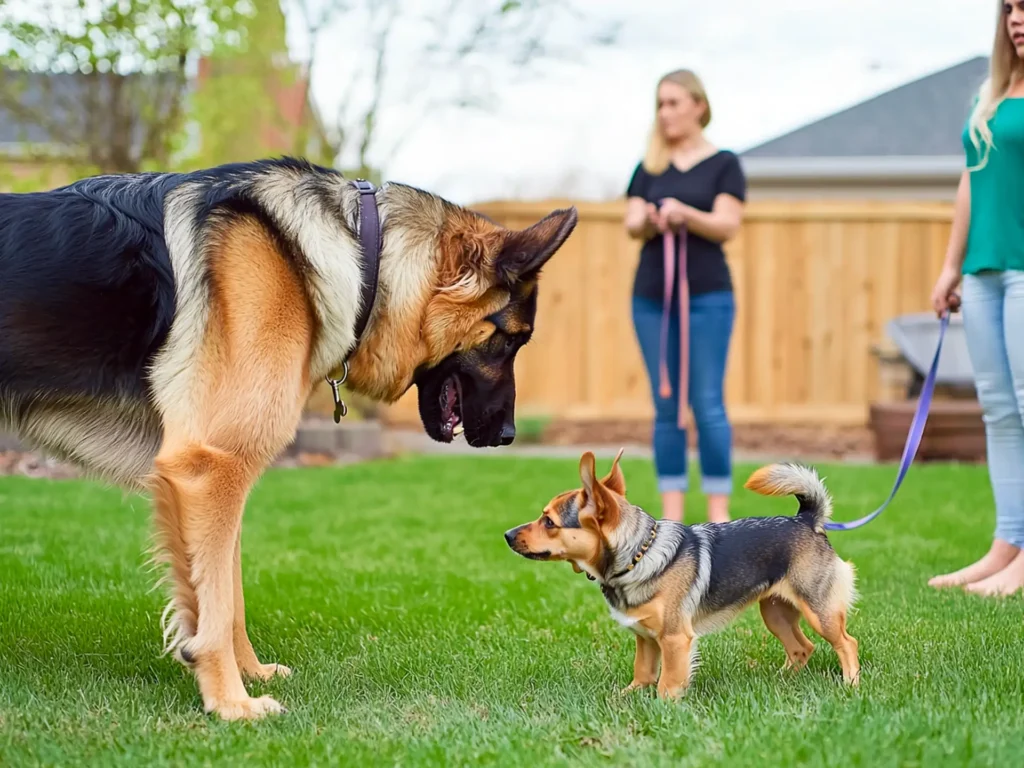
<point>246,709</point>
<point>672,693</point>
<point>634,686</point>
<point>265,671</point>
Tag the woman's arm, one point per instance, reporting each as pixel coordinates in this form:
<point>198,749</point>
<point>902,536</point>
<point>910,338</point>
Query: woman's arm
<point>957,247</point>
<point>638,220</point>
<point>719,224</point>
<point>944,295</point>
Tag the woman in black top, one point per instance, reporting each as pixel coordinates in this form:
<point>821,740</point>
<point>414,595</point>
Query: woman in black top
<point>686,184</point>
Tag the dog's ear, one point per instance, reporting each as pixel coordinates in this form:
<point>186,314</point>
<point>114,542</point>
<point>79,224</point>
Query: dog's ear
<point>587,475</point>
<point>615,480</point>
<point>525,251</point>
<point>599,507</point>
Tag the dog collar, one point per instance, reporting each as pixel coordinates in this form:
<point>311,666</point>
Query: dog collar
<point>640,552</point>
<point>370,239</point>
<point>637,557</point>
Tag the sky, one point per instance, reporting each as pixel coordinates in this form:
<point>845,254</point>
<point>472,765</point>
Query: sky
<point>578,130</point>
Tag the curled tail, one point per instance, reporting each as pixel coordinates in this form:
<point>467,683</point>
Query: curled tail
<point>795,480</point>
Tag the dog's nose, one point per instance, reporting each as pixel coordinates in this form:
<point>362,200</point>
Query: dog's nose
<point>510,536</point>
<point>508,434</point>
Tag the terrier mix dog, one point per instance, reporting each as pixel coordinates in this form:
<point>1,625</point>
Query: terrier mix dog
<point>671,583</point>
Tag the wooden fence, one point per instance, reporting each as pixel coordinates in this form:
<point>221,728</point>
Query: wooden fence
<point>815,285</point>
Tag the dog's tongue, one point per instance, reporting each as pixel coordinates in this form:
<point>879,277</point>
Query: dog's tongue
<point>449,399</point>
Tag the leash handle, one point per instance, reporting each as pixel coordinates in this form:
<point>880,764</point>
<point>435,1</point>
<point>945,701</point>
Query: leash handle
<point>913,437</point>
<point>671,259</point>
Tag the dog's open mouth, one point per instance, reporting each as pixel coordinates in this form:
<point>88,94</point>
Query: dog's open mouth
<point>451,407</point>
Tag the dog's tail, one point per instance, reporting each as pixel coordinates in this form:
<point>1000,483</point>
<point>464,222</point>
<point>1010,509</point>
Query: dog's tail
<point>795,480</point>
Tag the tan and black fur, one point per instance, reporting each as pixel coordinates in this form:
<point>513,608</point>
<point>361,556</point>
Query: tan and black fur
<point>164,331</point>
<point>670,583</point>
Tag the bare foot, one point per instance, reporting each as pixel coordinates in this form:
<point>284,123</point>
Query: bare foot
<point>1005,582</point>
<point>997,558</point>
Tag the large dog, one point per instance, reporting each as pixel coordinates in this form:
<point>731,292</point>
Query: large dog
<point>164,331</point>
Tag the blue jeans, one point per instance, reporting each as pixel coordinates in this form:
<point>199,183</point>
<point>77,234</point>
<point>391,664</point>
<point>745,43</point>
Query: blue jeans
<point>711,322</point>
<point>993,308</point>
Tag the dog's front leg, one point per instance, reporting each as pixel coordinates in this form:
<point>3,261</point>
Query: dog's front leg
<point>645,664</point>
<point>248,664</point>
<point>207,495</point>
<point>676,665</point>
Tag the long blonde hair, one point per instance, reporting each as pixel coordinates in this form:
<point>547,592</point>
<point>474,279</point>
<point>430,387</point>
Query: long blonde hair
<point>1004,68</point>
<point>658,151</point>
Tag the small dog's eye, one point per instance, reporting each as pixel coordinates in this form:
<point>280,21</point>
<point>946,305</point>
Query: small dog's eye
<point>548,522</point>
<point>510,344</point>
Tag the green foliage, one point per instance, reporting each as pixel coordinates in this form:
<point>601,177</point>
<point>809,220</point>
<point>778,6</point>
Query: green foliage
<point>234,108</point>
<point>120,105</point>
<point>31,178</point>
<point>530,429</point>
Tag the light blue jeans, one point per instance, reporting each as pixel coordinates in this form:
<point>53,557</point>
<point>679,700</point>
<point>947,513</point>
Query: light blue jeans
<point>993,309</point>
<point>711,322</point>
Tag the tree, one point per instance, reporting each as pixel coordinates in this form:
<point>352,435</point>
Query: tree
<point>105,82</point>
<point>419,58</point>
<point>251,100</point>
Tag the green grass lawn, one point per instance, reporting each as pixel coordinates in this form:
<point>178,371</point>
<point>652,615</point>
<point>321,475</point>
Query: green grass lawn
<point>418,638</point>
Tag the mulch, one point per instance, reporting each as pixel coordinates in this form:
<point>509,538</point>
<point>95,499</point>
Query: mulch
<point>796,441</point>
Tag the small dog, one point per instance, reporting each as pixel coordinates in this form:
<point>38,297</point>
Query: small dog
<point>671,583</point>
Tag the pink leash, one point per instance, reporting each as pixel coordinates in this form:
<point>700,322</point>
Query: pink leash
<point>665,386</point>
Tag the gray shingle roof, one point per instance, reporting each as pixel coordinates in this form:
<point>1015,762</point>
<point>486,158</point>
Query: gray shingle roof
<point>922,118</point>
<point>46,101</point>
<point>35,92</point>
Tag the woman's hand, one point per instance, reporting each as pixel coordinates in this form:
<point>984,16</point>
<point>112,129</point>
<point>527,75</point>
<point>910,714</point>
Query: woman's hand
<point>642,219</point>
<point>655,219</point>
<point>944,294</point>
<point>673,213</point>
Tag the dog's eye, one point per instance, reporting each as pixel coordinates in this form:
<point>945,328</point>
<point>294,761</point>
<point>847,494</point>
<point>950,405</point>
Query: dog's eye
<point>510,344</point>
<point>548,522</point>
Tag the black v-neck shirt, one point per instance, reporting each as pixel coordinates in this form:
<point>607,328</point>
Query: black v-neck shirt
<point>707,269</point>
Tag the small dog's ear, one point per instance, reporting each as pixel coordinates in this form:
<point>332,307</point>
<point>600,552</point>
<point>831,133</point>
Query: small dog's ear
<point>588,476</point>
<point>615,480</point>
<point>600,507</point>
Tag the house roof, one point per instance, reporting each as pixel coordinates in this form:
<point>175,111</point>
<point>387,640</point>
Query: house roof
<point>37,105</point>
<point>922,119</point>
<point>35,91</point>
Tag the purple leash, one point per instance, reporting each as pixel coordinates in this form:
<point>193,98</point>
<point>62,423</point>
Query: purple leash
<point>913,438</point>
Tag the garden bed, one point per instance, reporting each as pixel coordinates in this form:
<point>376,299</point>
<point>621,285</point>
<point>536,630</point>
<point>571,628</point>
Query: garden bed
<point>954,432</point>
<point>790,440</point>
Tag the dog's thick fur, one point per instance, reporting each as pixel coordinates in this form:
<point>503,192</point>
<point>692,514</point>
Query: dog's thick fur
<point>672,583</point>
<point>163,331</point>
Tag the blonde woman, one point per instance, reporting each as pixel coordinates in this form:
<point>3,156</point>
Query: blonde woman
<point>686,182</point>
<point>986,253</point>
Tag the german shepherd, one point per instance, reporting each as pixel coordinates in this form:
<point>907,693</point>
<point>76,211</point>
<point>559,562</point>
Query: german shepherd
<point>670,583</point>
<point>164,331</point>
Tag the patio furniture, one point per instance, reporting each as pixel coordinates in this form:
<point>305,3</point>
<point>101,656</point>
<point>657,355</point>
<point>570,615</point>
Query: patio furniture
<point>955,430</point>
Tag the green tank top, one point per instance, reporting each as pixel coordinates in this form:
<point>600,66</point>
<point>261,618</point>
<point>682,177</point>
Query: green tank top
<point>995,236</point>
